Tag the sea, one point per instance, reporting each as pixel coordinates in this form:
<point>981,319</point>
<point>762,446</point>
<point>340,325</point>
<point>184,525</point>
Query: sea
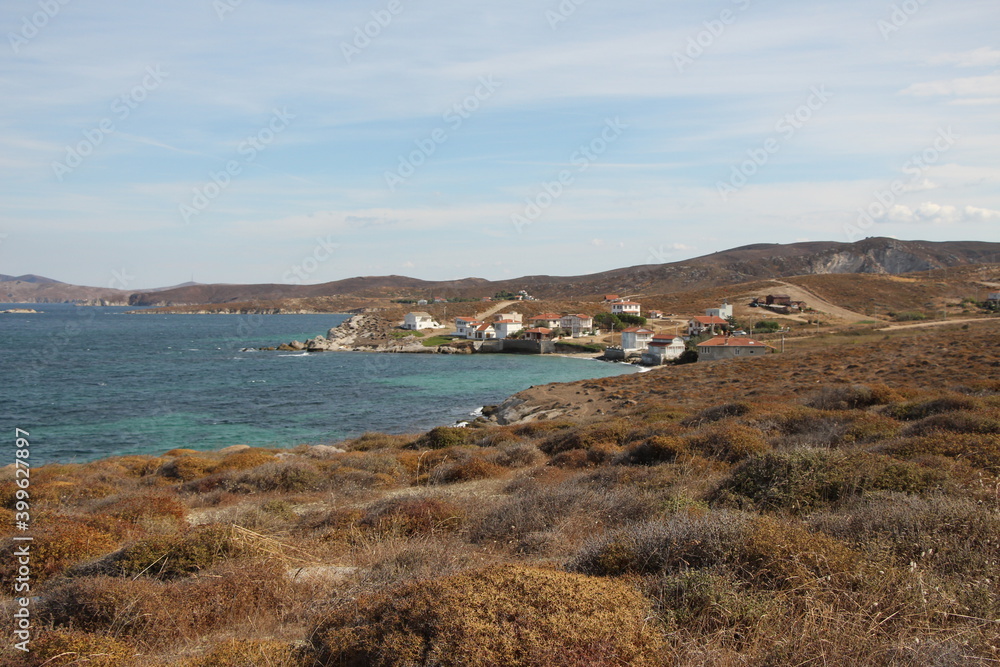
<point>91,382</point>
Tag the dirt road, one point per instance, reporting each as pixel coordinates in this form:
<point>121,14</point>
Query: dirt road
<point>817,302</point>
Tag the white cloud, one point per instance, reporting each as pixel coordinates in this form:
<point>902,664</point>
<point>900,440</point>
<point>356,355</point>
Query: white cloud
<point>977,87</point>
<point>981,57</point>
<point>937,214</point>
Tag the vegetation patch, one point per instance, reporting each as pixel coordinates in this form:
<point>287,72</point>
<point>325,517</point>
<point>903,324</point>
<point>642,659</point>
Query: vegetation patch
<point>507,615</point>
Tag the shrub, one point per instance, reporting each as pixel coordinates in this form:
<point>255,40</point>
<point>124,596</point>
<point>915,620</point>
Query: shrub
<point>168,557</point>
<point>679,542</point>
<point>851,397</point>
<point>113,606</point>
<point>914,410</point>
<point>516,455</point>
<point>654,450</point>
<point>803,479</point>
<point>614,432</point>
<point>709,600</point>
<point>412,516</point>
<point>371,441</point>
<point>187,467</point>
<point>442,437</point>
<point>470,469</point>
<point>718,412</point>
<point>281,476</point>
<point>729,442</point>
<point>61,541</point>
<point>150,506</point>
<point>960,421</point>
<point>980,450</point>
<point>512,616</point>
<point>870,427</point>
<point>62,648</point>
<point>244,460</point>
<point>785,555</point>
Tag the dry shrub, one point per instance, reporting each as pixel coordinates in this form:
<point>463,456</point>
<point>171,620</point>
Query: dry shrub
<point>786,555</point>
<point>961,421</point>
<point>852,397</point>
<point>515,454</point>
<point>497,437</point>
<point>147,507</point>
<point>718,413</point>
<point>655,450</point>
<point>61,541</point>
<point>187,467</point>
<point>572,458</point>
<point>981,451</point>
<point>63,648</point>
<point>537,513</point>
<point>279,477</point>
<point>952,536</point>
<point>172,556</point>
<point>387,561</point>
<point>372,441</point>
<point>914,410</point>
<point>509,615</point>
<point>412,515</point>
<point>245,459</point>
<point>803,479</point>
<point>442,437</point>
<point>706,601</point>
<point>729,442</point>
<point>252,653</point>
<point>614,432</point>
<point>139,466</point>
<point>869,427</point>
<point>682,541</point>
<point>465,469</point>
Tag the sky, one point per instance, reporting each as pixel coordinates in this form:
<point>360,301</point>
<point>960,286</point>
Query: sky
<point>146,144</point>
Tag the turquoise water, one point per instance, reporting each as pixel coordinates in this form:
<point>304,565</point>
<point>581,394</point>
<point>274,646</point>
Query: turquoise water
<point>93,382</point>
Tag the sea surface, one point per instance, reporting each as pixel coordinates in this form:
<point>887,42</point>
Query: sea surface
<point>90,382</point>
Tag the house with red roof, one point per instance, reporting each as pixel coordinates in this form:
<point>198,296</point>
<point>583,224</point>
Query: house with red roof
<point>547,320</point>
<point>576,323</point>
<point>663,348</point>
<point>703,324</point>
<point>730,347</point>
<point>538,333</point>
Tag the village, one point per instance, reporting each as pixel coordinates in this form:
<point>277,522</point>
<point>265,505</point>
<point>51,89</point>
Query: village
<point>622,331</point>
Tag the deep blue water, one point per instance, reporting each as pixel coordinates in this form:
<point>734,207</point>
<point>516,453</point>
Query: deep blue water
<point>93,382</point>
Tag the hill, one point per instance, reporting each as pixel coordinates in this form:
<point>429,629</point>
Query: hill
<point>739,265</point>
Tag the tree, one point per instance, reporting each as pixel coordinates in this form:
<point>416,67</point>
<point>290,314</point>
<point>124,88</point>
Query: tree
<point>687,357</point>
<point>608,321</point>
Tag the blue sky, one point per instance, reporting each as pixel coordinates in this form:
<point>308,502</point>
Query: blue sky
<point>245,141</point>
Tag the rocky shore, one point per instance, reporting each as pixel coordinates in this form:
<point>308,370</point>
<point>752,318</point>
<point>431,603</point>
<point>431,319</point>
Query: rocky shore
<point>370,332</point>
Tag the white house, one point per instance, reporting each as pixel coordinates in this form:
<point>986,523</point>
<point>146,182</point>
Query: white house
<point>464,326</point>
<point>419,320</point>
<point>576,324</point>
<point>663,348</point>
<point>705,324</point>
<point>547,320</point>
<point>636,338</point>
<point>626,308</point>
<point>483,332</point>
<point>516,317</point>
<point>725,311</point>
<point>504,328</point>
<point>993,297</point>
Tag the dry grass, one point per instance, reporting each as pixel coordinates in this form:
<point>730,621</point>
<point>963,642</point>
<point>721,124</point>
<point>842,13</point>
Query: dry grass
<point>732,515</point>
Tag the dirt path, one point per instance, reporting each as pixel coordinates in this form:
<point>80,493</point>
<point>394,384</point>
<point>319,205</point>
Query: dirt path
<point>935,323</point>
<point>494,309</point>
<point>817,302</point>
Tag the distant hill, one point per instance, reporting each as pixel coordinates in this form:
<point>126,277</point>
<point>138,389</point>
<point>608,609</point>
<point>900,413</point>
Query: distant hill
<point>29,278</point>
<point>745,264</point>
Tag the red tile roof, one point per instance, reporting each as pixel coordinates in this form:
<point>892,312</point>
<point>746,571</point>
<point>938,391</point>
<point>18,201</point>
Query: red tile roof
<point>709,319</point>
<point>637,330</point>
<point>547,316</point>
<point>541,330</point>
<point>628,303</point>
